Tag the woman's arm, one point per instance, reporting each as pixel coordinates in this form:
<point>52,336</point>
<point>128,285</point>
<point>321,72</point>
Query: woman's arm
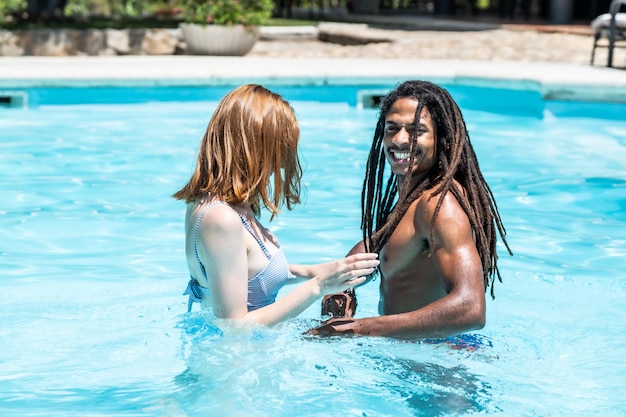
<point>327,278</point>
<point>224,254</point>
<point>222,249</point>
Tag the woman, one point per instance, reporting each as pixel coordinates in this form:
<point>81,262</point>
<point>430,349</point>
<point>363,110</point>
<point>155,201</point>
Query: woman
<point>248,159</point>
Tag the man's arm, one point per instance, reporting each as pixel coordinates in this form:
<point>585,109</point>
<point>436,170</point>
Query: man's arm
<point>456,260</point>
<point>462,309</point>
<point>358,248</point>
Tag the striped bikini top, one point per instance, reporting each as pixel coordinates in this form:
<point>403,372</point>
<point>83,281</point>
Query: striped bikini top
<point>262,288</point>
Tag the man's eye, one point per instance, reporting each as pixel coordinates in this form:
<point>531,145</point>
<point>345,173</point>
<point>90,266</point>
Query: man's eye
<point>392,130</point>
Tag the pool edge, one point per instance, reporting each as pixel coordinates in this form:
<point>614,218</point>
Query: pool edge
<point>554,81</point>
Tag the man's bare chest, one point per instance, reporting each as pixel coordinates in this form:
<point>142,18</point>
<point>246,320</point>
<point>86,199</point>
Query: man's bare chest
<point>404,251</point>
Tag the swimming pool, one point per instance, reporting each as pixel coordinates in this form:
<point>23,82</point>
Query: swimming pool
<point>93,267</point>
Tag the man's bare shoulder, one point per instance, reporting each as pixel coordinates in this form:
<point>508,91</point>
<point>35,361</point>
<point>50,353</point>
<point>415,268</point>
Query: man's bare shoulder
<point>426,207</point>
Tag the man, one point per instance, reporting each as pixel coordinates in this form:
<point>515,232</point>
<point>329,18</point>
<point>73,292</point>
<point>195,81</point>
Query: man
<point>433,220</point>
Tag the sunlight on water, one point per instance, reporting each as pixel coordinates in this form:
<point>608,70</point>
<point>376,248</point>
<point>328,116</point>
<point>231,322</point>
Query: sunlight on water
<point>92,272</point>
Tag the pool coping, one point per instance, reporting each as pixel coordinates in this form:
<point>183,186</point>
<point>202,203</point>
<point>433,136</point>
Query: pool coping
<point>554,81</point>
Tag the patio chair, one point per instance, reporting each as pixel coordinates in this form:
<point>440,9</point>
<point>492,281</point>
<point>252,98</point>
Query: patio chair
<point>612,26</point>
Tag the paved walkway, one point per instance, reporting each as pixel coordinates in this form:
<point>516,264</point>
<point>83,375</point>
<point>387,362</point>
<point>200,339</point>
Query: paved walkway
<point>489,45</point>
<point>427,38</point>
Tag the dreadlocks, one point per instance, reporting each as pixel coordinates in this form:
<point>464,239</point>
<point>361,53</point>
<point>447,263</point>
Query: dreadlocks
<point>455,160</point>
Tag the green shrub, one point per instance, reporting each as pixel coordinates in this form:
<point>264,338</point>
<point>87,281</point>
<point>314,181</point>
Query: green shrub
<point>227,12</point>
<point>8,7</point>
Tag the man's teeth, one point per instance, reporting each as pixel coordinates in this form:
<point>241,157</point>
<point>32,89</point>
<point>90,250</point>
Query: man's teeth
<point>401,155</point>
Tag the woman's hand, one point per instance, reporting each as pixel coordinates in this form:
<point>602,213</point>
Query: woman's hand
<point>339,275</point>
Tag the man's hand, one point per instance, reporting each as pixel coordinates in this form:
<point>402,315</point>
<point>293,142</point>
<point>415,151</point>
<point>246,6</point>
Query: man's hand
<point>333,327</point>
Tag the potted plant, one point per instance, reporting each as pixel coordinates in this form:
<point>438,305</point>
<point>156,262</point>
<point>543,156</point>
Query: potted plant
<point>223,27</point>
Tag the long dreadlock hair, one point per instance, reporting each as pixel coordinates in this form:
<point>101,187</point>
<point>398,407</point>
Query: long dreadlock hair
<point>382,210</point>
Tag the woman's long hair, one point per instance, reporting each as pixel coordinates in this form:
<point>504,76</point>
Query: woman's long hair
<point>383,205</point>
<point>249,153</point>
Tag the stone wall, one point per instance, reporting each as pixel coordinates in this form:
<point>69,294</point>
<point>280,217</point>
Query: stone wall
<point>93,42</point>
<point>111,42</point>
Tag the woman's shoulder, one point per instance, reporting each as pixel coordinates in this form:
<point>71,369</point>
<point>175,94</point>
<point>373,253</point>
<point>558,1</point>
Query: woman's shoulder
<point>218,217</point>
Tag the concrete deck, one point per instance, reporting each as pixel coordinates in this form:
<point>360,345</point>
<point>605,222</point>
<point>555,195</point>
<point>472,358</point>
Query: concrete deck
<point>555,81</point>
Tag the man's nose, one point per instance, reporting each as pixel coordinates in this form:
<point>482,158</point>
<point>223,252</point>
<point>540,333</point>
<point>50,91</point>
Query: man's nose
<point>402,136</point>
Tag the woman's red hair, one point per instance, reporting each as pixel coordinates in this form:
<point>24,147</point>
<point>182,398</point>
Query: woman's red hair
<point>249,153</point>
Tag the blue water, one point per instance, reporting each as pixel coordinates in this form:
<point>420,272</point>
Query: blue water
<point>92,266</point>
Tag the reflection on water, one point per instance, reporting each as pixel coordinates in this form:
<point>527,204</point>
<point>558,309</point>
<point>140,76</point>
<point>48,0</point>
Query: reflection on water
<point>230,370</point>
<point>445,390</point>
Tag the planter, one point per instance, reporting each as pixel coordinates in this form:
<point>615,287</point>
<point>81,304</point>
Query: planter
<point>219,40</point>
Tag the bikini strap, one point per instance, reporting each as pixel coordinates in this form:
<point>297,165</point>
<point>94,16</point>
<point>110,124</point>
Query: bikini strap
<point>195,235</point>
<point>259,241</point>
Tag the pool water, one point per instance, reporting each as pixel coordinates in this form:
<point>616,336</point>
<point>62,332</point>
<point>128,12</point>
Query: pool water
<point>92,266</point>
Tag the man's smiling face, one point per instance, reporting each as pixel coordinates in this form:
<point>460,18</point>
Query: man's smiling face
<point>399,129</point>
